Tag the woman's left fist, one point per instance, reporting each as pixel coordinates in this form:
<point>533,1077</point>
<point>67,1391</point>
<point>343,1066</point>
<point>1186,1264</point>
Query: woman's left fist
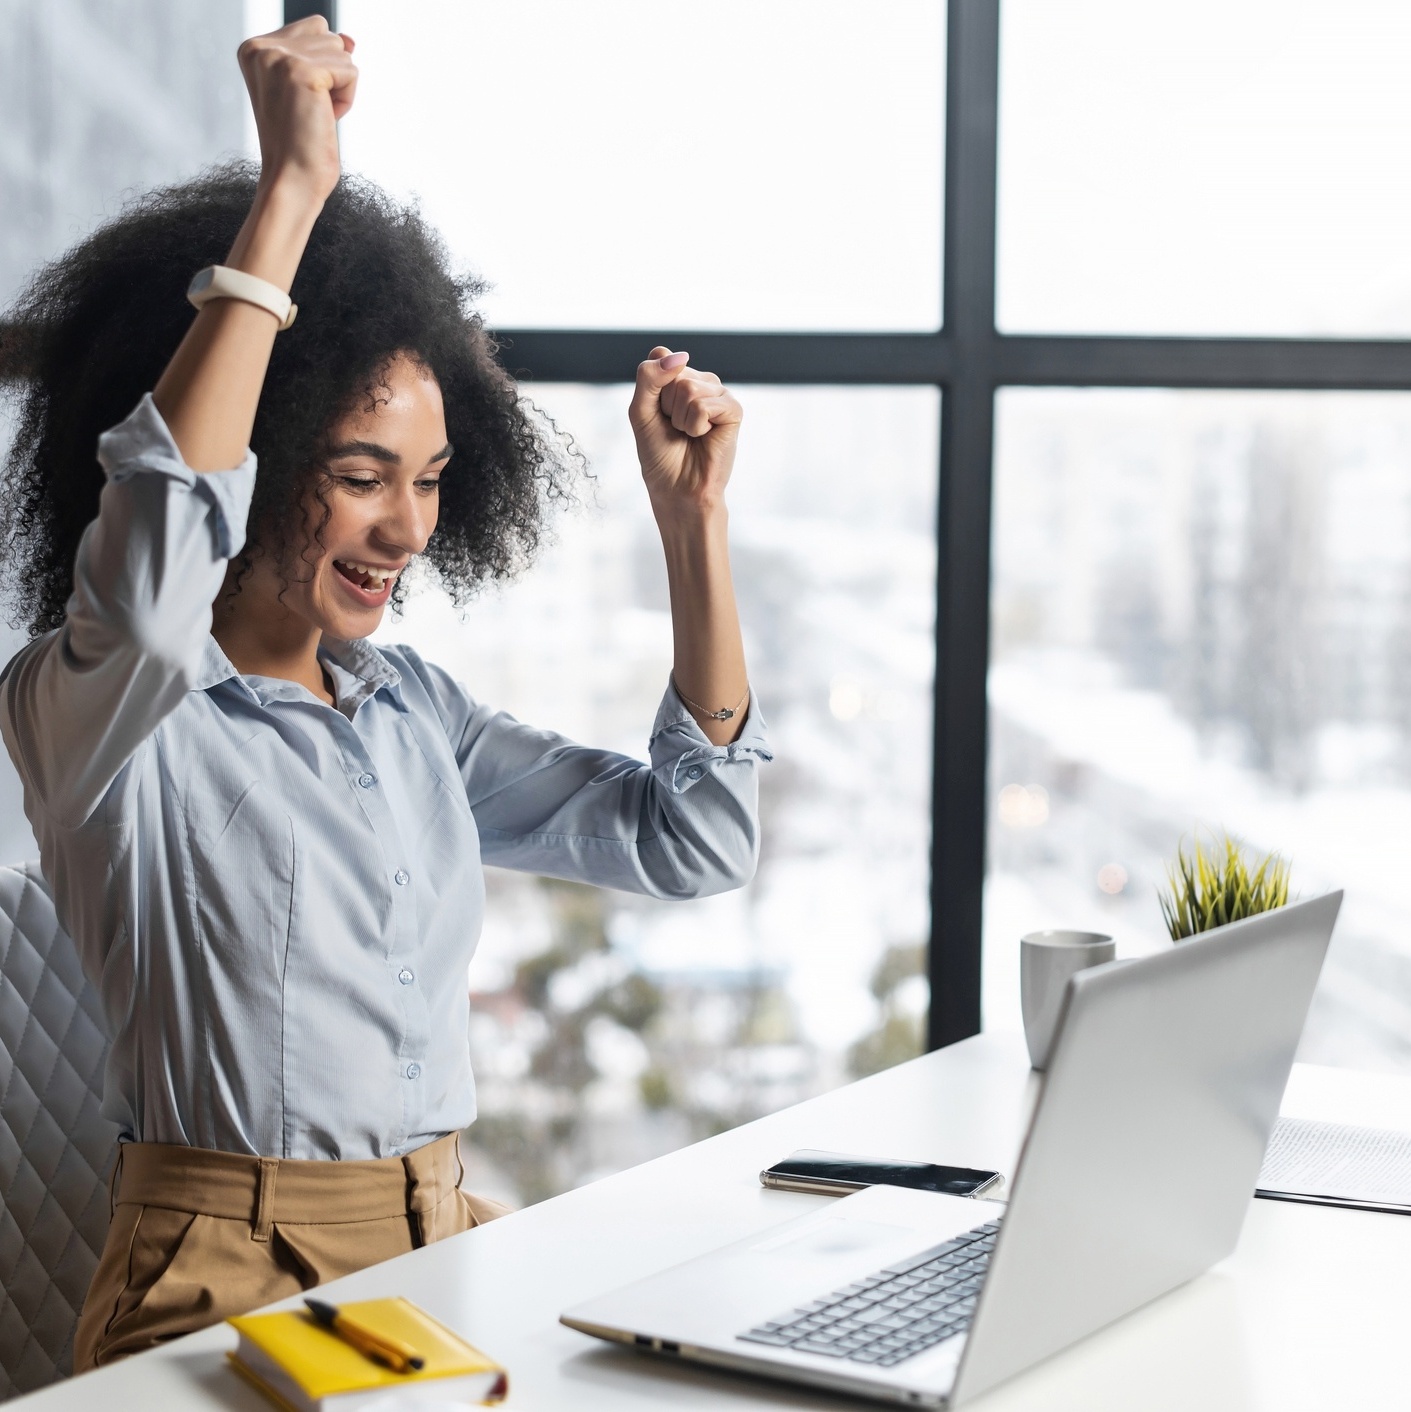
<point>687,425</point>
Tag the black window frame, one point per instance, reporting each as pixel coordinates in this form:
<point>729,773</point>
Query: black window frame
<point>969,360</point>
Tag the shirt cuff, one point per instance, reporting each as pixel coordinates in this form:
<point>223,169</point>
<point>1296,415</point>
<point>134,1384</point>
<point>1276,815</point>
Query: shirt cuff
<point>142,444</point>
<point>682,754</point>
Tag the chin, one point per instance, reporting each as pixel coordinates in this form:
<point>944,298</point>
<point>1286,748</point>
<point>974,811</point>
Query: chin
<point>337,617</point>
<point>352,626</point>
<point>349,610</point>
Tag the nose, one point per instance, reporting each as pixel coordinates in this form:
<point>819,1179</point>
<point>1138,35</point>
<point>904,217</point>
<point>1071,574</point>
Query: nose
<point>408,521</point>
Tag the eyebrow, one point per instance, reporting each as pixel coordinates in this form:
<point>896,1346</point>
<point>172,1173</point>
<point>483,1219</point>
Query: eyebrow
<point>378,452</point>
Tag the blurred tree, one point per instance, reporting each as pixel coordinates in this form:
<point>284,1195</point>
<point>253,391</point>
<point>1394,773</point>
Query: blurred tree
<point>899,1034</point>
<point>1275,684</point>
<point>712,1057</point>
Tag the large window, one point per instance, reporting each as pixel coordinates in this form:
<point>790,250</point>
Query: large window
<point>1070,515</point>
<point>1202,167</point>
<point>608,1028</point>
<point>624,164</point>
<point>1199,607</point>
<point>641,174</point>
<point>1202,619</point>
<point>1147,661</point>
<point>97,103</point>
<point>101,101</point>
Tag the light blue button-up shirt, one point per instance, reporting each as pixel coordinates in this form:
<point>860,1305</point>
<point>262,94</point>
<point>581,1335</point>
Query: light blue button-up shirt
<point>277,898</point>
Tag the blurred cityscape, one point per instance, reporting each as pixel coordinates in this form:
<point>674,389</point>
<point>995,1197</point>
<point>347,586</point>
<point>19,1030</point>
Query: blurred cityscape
<point>608,1029</point>
<point>101,100</point>
<point>1201,602</point>
<point>1202,619</point>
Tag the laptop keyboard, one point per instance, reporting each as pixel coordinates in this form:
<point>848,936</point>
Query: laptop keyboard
<point>895,1314</point>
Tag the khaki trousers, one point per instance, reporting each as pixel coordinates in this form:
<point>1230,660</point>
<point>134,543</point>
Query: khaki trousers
<point>197,1236</point>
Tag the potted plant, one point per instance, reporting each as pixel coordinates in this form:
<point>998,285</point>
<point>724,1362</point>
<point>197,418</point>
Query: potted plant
<point>1212,886</point>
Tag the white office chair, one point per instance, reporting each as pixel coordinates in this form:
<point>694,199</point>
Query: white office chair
<point>55,1149</point>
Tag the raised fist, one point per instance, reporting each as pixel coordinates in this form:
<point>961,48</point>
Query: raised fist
<point>301,80</point>
<point>687,425</point>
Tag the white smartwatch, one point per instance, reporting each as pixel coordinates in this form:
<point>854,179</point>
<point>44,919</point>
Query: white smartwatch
<point>221,282</point>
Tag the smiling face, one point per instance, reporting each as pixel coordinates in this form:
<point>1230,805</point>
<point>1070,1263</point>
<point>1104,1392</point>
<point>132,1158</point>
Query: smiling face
<point>384,468</point>
<point>381,491</point>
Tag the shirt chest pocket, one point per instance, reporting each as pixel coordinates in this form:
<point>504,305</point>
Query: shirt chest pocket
<point>244,863</point>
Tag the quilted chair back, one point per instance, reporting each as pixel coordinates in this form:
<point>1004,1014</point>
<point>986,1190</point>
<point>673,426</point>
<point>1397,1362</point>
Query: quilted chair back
<point>55,1149</point>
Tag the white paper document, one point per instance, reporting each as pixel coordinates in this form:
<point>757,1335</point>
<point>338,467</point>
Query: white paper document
<point>1338,1164</point>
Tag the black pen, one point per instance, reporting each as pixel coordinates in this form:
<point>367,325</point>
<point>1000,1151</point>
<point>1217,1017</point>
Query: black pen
<point>392,1353</point>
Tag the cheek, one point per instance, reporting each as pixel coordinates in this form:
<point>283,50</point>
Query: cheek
<point>346,530</point>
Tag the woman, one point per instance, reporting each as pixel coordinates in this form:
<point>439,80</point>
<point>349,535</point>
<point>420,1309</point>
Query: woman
<point>265,834</point>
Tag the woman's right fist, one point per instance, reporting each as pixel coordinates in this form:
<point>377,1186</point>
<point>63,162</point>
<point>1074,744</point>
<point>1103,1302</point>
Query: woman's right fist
<point>301,80</point>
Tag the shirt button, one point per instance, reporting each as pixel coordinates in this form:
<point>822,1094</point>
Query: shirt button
<point>405,976</point>
<point>413,1071</point>
<point>695,772</point>
<point>401,877</point>
<point>367,781</point>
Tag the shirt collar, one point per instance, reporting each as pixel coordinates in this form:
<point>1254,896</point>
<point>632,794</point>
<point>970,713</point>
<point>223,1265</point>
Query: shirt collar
<point>215,667</point>
<point>370,670</point>
<point>365,672</point>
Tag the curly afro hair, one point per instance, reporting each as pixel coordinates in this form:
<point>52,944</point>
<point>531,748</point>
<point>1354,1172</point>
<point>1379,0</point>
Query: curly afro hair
<point>96,327</point>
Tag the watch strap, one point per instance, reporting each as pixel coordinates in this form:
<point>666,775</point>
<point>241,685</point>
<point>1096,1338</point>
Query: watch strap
<point>221,282</point>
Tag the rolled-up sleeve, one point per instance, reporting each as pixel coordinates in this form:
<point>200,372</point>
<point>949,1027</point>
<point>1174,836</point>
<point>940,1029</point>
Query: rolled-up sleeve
<point>79,701</point>
<point>684,825</point>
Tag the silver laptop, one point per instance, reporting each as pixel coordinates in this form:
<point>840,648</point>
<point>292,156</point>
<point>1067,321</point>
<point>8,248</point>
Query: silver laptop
<point>1135,1176</point>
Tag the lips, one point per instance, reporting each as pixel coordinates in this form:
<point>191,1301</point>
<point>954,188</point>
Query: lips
<point>370,584</point>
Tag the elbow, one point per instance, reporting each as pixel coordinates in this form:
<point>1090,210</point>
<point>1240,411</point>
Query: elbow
<point>74,717</point>
<point>738,838</point>
<point>142,647</point>
<point>705,838</point>
<point>132,620</point>
<point>722,861</point>
<point>168,668</point>
<point>739,864</point>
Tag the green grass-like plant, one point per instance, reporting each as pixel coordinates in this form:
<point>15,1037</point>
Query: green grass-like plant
<point>1212,886</point>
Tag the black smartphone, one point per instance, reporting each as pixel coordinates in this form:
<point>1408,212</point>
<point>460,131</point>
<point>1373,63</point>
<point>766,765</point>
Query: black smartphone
<point>833,1174</point>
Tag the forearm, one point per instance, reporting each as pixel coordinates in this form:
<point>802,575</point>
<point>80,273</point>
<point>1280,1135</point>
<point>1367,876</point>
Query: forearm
<point>709,660</point>
<point>211,388</point>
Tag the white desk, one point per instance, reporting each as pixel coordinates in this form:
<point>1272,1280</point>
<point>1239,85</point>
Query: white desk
<point>1312,1311</point>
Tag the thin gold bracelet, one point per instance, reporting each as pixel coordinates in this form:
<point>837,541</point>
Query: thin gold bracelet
<point>724,714</point>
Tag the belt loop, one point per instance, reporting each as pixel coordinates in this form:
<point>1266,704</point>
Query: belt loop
<point>113,1182</point>
<point>416,1202</point>
<point>264,1198</point>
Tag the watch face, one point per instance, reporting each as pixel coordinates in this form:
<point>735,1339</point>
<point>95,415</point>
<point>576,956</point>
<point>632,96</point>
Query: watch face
<point>202,280</point>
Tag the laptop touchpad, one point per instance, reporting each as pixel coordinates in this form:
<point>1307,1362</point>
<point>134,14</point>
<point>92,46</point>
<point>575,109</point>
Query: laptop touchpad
<point>833,1237</point>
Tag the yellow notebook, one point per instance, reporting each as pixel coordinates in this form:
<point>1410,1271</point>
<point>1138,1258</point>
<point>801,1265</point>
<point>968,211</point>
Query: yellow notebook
<point>303,1366</point>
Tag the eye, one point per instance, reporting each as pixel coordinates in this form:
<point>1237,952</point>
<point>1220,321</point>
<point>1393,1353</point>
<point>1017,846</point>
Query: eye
<point>359,483</point>
<point>429,487</point>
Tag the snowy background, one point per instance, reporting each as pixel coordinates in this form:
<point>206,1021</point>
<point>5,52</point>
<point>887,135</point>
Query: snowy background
<point>1201,602</point>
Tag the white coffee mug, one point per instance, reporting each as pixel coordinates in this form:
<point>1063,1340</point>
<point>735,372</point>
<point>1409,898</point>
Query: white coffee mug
<point>1046,960</point>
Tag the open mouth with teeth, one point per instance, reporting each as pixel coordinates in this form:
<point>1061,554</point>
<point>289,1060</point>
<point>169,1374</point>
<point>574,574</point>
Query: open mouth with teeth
<point>370,584</point>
